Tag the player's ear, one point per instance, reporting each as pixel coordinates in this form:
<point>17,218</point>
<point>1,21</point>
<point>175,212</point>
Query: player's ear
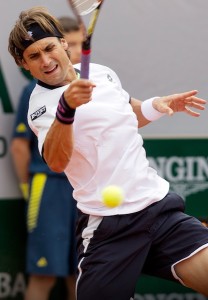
<point>64,43</point>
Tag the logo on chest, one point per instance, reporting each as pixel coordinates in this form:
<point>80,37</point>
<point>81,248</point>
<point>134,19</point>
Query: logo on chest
<point>38,113</point>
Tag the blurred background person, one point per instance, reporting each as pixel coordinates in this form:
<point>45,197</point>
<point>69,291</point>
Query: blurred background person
<point>74,37</point>
<point>51,215</point>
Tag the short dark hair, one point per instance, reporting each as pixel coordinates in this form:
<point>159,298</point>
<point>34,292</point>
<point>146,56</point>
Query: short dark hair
<point>37,15</point>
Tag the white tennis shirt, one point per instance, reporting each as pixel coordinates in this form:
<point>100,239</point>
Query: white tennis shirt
<point>107,147</point>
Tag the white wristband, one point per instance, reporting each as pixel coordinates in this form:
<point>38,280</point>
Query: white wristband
<point>149,112</point>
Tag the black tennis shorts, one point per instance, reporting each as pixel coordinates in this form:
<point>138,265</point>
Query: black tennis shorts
<point>114,250</point>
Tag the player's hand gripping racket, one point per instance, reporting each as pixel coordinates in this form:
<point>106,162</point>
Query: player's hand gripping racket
<point>81,8</point>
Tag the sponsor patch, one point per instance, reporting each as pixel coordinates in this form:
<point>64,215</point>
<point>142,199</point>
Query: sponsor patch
<point>38,113</point>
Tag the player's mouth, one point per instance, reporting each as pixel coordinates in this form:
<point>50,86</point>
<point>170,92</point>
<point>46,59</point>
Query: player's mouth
<point>52,70</point>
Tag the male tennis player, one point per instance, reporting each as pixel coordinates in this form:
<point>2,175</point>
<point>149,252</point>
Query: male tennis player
<point>89,130</point>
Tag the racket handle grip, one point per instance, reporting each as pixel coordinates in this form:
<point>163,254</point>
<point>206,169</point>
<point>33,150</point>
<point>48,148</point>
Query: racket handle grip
<point>85,65</point>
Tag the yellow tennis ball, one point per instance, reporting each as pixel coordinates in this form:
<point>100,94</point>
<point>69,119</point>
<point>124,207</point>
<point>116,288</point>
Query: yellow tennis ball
<point>112,196</point>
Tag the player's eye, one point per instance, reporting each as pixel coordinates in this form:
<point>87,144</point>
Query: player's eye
<point>49,48</point>
<point>34,56</point>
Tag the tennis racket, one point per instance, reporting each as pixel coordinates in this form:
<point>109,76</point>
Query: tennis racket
<point>81,8</point>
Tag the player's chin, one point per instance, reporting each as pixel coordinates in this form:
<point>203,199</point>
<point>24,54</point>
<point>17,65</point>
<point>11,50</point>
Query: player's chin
<point>53,78</point>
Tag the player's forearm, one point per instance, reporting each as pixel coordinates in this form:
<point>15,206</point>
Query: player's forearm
<point>58,146</point>
<point>136,106</point>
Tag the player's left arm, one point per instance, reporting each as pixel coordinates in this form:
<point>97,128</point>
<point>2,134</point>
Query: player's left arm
<point>136,106</point>
<point>154,108</point>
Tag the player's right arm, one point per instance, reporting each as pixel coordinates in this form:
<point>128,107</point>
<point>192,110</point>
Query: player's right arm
<point>58,145</point>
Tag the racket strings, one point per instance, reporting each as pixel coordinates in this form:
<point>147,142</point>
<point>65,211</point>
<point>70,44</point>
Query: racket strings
<point>85,6</point>
<point>81,8</point>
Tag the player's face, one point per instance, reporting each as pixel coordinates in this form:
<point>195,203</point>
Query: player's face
<point>74,40</point>
<point>47,61</point>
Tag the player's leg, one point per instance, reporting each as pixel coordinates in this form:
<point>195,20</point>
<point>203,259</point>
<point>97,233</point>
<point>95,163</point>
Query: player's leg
<point>193,271</point>
<point>39,287</point>
<point>110,255</point>
<point>71,287</point>
<point>179,250</point>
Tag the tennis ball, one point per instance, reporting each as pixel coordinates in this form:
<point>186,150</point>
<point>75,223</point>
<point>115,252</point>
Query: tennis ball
<point>112,196</point>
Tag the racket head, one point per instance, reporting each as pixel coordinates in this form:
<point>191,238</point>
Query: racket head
<point>81,8</point>
<point>85,7</point>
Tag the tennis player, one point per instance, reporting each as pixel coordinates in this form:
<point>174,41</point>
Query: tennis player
<point>89,130</point>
